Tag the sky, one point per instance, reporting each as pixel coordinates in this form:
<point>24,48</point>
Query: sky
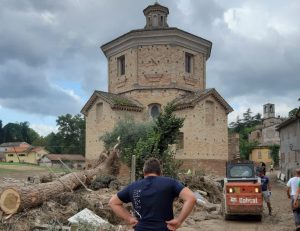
<point>51,61</point>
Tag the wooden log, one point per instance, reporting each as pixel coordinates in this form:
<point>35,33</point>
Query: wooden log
<point>17,198</point>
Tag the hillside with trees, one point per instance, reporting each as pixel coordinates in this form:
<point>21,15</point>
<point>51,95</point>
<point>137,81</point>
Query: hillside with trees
<point>244,127</point>
<point>70,138</point>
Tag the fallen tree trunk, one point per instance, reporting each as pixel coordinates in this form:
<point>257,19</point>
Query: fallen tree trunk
<point>17,198</point>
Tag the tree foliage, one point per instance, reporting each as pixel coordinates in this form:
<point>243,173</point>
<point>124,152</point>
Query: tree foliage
<point>17,132</point>
<point>275,154</point>
<point>71,134</point>
<point>244,127</point>
<point>293,112</point>
<point>70,138</point>
<point>146,140</point>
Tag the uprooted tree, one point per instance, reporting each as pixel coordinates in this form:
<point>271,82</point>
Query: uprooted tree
<point>146,140</point>
<point>14,199</point>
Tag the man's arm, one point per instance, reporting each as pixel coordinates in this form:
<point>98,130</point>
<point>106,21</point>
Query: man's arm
<point>288,192</point>
<point>189,201</point>
<point>269,185</point>
<point>117,206</point>
<point>297,195</point>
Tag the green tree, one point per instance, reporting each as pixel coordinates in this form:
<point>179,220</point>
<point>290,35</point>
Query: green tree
<point>19,132</point>
<point>1,133</point>
<point>53,143</point>
<point>130,133</point>
<point>244,127</point>
<point>71,133</point>
<point>167,127</point>
<point>148,140</point>
<point>293,112</point>
<point>275,154</point>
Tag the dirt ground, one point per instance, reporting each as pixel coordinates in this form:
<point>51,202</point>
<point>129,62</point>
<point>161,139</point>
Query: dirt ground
<point>281,220</point>
<point>66,206</point>
<point>21,172</point>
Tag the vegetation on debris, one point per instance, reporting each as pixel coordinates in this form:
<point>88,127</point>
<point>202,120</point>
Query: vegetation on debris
<point>146,140</point>
<point>105,181</point>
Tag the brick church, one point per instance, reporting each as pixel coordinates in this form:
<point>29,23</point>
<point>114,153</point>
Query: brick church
<point>149,67</point>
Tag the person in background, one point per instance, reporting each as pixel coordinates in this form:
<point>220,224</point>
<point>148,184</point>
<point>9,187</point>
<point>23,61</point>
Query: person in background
<point>266,189</point>
<point>271,167</point>
<point>152,200</point>
<point>292,193</point>
<point>263,167</point>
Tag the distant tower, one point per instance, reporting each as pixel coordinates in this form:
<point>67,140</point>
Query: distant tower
<point>269,110</point>
<point>156,16</point>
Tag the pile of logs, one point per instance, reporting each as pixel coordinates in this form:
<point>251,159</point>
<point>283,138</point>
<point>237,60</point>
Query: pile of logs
<point>16,198</point>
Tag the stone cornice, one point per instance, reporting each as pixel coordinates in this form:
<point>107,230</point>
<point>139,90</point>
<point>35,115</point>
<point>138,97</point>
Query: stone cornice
<point>192,98</point>
<point>139,88</point>
<point>172,35</point>
<point>155,7</point>
<point>115,101</point>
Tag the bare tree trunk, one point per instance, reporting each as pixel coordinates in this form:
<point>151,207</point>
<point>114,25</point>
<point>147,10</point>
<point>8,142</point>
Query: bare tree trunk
<point>17,198</point>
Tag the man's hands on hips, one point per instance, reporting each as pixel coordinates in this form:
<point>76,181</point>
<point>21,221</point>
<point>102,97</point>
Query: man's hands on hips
<point>173,224</point>
<point>133,222</point>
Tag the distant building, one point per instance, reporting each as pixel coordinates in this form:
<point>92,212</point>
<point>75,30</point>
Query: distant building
<point>266,134</point>
<point>233,146</point>
<point>150,67</point>
<point>25,154</point>
<point>261,154</point>
<point>289,145</point>
<point>11,146</point>
<point>72,160</point>
<point>2,157</point>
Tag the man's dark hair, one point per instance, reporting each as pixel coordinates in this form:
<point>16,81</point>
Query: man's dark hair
<point>152,165</point>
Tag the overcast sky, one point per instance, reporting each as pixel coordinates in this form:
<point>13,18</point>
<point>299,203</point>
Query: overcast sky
<point>51,62</point>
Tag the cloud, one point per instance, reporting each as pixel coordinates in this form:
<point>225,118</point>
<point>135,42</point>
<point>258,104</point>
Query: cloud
<point>27,89</point>
<point>255,54</point>
<point>44,130</point>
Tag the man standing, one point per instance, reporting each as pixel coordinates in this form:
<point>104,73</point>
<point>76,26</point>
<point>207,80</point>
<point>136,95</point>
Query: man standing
<point>292,185</point>
<point>271,167</point>
<point>266,190</point>
<point>152,199</point>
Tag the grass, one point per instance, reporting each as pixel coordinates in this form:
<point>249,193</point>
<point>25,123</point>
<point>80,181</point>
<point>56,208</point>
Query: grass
<point>19,164</point>
<point>25,168</point>
<point>7,171</point>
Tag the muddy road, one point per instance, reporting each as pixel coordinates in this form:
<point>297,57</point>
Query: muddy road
<point>280,220</point>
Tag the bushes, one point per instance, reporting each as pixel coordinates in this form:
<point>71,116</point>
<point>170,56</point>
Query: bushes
<point>145,140</point>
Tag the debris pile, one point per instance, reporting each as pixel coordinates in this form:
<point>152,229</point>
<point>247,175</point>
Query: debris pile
<point>70,201</point>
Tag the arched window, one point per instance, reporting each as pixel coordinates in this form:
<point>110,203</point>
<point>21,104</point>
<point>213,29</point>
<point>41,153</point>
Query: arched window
<point>209,113</point>
<point>180,141</point>
<point>99,111</point>
<point>154,110</point>
<point>155,21</point>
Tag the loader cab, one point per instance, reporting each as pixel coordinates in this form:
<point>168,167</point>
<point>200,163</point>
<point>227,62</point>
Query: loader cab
<point>240,170</point>
<point>242,190</point>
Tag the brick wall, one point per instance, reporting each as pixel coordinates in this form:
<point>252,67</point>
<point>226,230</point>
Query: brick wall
<point>156,65</point>
<point>209,166</point>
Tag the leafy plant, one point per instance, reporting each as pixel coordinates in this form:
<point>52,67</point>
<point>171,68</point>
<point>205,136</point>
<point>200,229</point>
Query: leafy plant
<point>145,140</point>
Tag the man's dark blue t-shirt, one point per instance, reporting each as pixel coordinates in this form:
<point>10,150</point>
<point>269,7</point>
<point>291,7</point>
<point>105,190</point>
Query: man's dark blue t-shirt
<point>152,200</point>
<point>264,183</point>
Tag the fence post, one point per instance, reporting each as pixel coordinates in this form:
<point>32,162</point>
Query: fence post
<point>133,166</point>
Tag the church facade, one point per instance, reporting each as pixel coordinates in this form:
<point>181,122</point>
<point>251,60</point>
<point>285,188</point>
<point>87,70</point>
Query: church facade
<point>147,68</point>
